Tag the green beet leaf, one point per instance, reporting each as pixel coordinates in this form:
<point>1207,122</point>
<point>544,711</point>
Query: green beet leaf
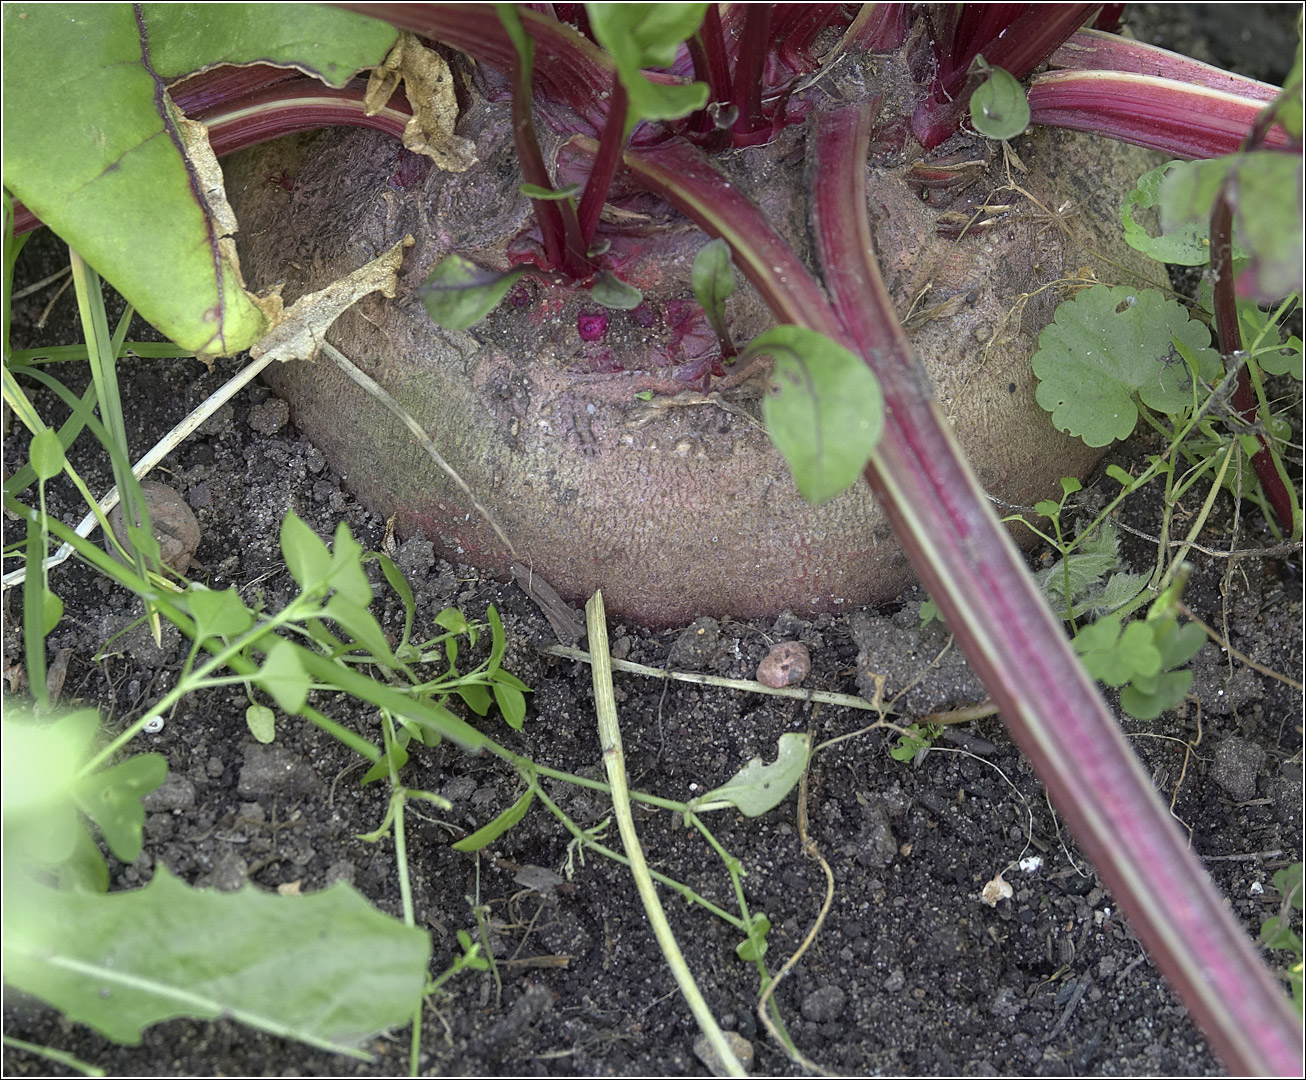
<point>1110,345</point>
<point>713,282</point>
<point>647,36</point>
<point>95,151</point>
<point>610,291</point>
<point>459,294</point>
<point>999,108</point>
<point>326,968</point>
<point>825,412</point>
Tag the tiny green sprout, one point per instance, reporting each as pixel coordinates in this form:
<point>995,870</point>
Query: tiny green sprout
<point>1277,931</point>
<point>753,947</point>
<point>913,742</point>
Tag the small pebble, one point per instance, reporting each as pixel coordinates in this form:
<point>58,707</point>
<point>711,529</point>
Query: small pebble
<point>824,1004</point>
<point>1237,762</point>
<point>787,664</point>
<point>743,1050</point>
<point>695,646</point>
<point>171,520</point>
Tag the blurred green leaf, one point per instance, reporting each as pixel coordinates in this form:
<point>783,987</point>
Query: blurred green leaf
<point>112,799</point>
<point>326,968</point>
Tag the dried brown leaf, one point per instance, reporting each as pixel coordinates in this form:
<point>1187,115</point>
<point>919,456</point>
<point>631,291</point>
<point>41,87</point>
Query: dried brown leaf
<point>298,331</point>
<point>429,87</point>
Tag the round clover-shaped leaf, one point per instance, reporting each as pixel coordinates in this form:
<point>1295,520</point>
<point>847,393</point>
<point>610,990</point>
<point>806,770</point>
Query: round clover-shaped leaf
<point>1111,345</point>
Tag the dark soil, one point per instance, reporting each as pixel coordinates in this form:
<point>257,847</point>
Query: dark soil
<point>911,973</point>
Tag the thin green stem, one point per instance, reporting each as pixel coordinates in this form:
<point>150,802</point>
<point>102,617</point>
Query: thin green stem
<point>605,704</point>
<point>616,856</point>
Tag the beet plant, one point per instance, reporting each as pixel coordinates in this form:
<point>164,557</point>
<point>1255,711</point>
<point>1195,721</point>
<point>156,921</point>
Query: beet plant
<point>551,176</point>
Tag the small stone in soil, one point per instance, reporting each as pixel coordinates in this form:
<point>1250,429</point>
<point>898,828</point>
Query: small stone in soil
<point>787,664</point>
<point>696,645</point>
<point>171,521</point>
<point>742,1048</point>
<point>824,1004</point>
<point>1237,762</point>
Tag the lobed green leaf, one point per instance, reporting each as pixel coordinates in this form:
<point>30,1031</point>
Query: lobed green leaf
<point>1110,345</point>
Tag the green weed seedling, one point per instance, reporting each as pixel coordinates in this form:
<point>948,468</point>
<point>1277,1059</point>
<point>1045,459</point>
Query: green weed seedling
<point>1277,931</point>
<point>914,742</point>
<point>1114,355</point>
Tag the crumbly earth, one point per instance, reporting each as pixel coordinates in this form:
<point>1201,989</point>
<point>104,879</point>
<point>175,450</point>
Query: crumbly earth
<point>910,972</point>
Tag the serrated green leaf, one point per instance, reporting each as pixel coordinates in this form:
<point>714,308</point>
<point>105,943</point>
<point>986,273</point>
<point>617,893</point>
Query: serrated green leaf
<point>46,454</point>
<point>217,614</point>
<point>458,294</point>
<point>487,834</point>
<point>326,968</point>
<point>1109,345</point>
<point>306,556</point>
<point>648,36</point>
<point>999,108</point>
<point>825,411</point>
<point>759,787</point>
<point>610,291</point>
<point>262,723</point>
<point>282,675</point>
<point>112,799</point>
<point>1082,570</point>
